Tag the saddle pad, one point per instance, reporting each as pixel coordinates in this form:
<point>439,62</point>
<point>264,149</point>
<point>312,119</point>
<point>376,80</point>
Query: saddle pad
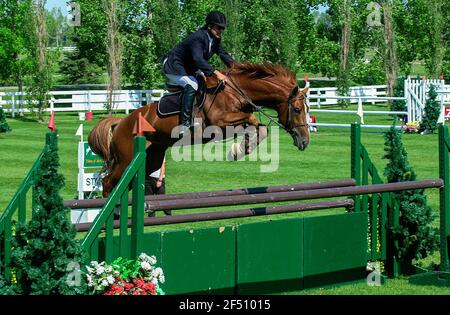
<point>170,104</point>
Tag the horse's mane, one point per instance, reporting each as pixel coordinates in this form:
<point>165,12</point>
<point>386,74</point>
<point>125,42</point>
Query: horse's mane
<point>266,70</point>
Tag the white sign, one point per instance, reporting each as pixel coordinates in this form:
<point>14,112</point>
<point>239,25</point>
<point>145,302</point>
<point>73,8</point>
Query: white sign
<point>90,182</point>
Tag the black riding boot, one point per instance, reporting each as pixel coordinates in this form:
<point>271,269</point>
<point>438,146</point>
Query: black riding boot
<point>187,103</point>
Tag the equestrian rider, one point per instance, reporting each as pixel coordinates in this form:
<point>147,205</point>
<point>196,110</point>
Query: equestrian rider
<point>190,58</point>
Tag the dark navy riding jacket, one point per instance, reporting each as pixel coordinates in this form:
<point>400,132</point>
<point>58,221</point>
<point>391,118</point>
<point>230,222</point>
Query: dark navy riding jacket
<point>193,53</point>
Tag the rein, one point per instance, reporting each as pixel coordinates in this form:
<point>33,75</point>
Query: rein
<point>258,109</point>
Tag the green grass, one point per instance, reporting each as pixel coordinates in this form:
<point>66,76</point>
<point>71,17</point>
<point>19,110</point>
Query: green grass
<point>327,158</point>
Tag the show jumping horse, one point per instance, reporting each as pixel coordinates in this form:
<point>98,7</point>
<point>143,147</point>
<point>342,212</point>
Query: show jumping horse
<point>248,87</point>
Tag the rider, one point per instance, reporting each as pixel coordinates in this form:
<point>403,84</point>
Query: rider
<point>190,58</point>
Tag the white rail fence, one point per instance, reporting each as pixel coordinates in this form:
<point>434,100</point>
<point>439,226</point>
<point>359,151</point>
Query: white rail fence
<point>319,99</point>
<point>81,101</point>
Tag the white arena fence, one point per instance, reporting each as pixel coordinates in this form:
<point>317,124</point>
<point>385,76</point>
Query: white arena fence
<point>319,100</point>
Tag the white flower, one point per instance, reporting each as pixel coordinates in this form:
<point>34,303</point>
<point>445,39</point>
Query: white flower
<point>143,257</point>
<point>110,279</point>
<point>146,266</point>
<point>89,279</point>
<point>158,274</point>
<point>105,283</point>
<point>100,270</point>
<point>152,260</point>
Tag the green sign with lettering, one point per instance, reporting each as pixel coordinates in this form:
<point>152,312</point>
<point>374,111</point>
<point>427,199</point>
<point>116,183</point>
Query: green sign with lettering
<point>90,158</point>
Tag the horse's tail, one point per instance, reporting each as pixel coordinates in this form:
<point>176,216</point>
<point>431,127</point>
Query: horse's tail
<point>100,138</point>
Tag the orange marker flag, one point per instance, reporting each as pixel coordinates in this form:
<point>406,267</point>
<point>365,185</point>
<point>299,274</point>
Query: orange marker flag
<point>51,123</point>
<point>142,126</point>
<point>306,81</point>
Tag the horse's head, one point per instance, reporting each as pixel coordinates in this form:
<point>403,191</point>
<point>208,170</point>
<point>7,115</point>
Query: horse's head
<point>296,121</point>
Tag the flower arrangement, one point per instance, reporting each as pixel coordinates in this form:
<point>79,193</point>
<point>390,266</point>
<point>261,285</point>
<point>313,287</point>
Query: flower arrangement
<point>411,127</point>
<point>126,277</point>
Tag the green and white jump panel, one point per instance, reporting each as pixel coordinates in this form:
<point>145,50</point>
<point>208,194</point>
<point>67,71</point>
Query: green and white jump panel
<point>87,182</point>
<point>261,257</point>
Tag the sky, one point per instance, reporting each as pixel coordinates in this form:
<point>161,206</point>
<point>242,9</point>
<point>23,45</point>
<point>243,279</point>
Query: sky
<point>63,5</point>
<point>57,4</point>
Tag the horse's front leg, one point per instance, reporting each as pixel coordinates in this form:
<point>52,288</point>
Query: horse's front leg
<point>253,135</point>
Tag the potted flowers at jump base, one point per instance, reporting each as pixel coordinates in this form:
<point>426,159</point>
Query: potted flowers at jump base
<point>126,277</point>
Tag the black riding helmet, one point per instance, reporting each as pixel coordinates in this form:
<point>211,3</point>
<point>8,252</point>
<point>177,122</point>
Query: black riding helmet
<point>216,18</point>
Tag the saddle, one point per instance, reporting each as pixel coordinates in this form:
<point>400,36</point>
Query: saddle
<point>170,103</point>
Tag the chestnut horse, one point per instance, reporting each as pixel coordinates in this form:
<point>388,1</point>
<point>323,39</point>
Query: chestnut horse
<point>232,104</point>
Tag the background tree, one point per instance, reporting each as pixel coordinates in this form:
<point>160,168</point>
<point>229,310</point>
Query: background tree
<point>56,28</point>
<point>140,57</point>
<point>321,52</point>
<point>233,40</point>
<point>390,55</point>
<point>40,79</point>
<point>166,25</point>
<point>342,82</point>
<point>114,13</point>
<point>90,39</point>
<point>78,70</point>
<point>16,49</point>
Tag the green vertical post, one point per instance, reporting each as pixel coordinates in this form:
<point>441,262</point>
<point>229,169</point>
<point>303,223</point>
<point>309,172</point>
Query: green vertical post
<point>22,207</point>
<point>109,239</point>
<point>7,248</point>
<point>123,238</point>
<point>356,160</point>
<point>392,263</point>
<point>137,213</point>
<point>444,193</point>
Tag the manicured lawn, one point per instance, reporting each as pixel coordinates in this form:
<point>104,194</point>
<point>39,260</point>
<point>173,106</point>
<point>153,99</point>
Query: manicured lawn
<point>327,158</point>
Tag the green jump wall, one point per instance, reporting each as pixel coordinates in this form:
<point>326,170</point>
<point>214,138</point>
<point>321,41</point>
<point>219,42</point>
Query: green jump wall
<point>261,257</point>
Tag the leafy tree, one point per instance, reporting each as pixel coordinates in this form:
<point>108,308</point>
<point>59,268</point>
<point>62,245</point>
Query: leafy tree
<point>166,25</point>
<point>77,70</point>
<point>140,60</point>
<point>90,37</point>
<point>416,238</point>
<point>57,27</point>
<point>268,37</point>
<point>39,82</point>
<point>44,249</point>
<point>15,47</point>
<point>368,73</point>
<point>432,111</point>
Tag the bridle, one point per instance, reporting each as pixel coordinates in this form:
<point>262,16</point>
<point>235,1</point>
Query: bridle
<point>290,127</point>
<point>291,108</point>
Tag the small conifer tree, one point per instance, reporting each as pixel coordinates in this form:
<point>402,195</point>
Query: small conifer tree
<point>45,253</point>
<point>416,238</point>
<point>4,127</point>
<point>432,111</point>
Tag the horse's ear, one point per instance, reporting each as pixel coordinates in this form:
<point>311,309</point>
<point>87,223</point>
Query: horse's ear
<point>305,90</point>
<point>294,91</point>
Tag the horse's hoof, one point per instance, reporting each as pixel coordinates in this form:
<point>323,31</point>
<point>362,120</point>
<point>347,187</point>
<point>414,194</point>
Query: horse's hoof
<point>234,154</point>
